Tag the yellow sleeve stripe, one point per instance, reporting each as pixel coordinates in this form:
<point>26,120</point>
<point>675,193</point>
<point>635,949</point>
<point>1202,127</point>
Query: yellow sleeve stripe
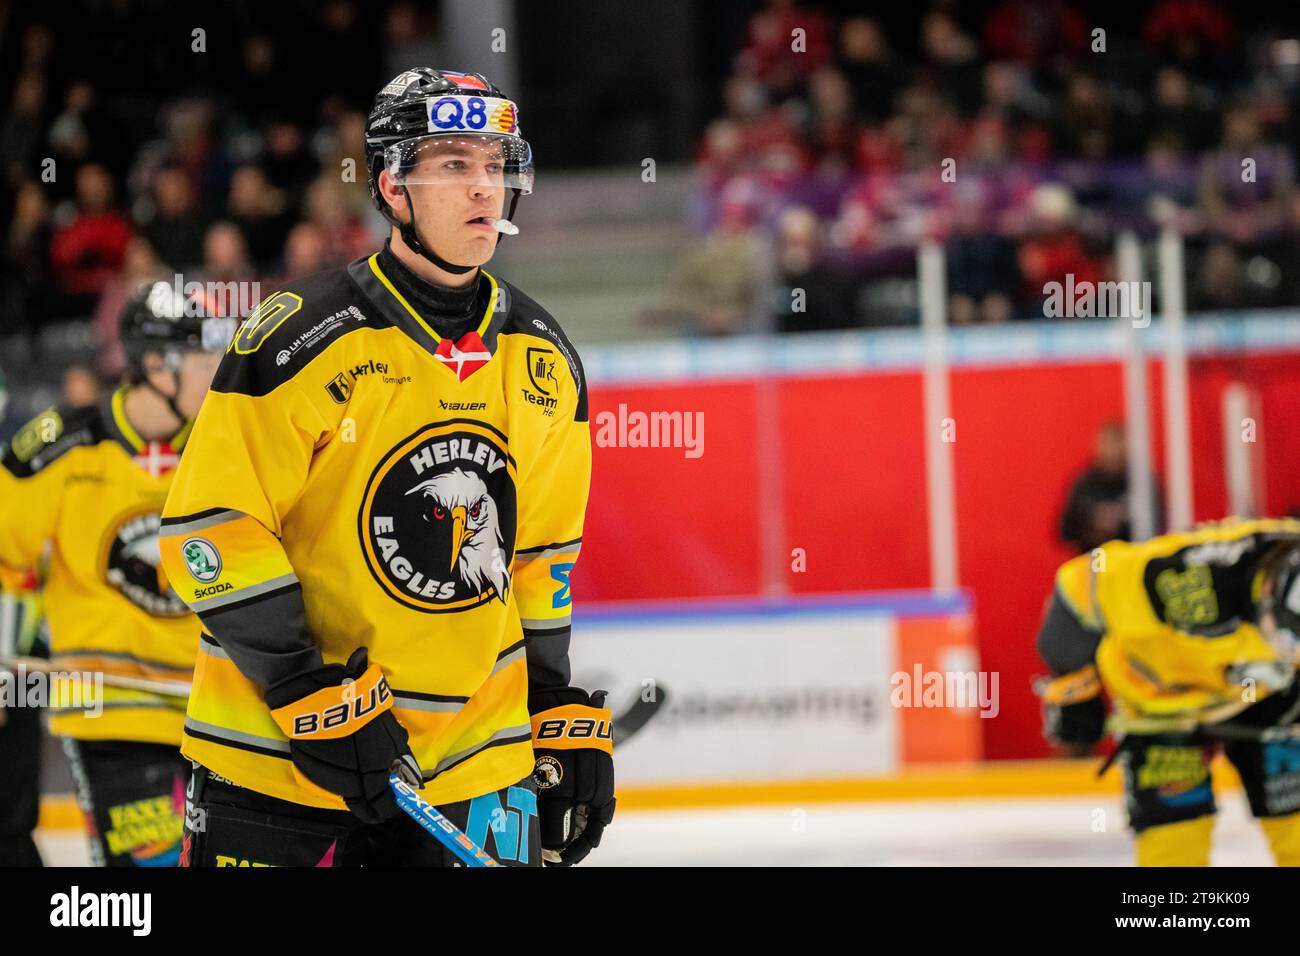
<point>220,558</point>
<point>571,548</point>
<point>1072,688</point>
<point>193,524</point>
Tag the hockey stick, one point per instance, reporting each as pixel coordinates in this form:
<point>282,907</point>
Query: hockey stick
<point>442,829</point>
<point>454,839</point>
<point>41,666</point>
<point>1226,731</point>
<point>637,716</point>
<point>1262,734</point>
<point>416,806</point>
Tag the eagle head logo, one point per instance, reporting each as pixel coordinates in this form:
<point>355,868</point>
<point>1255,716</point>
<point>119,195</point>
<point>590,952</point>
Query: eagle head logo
<point>459,501</point>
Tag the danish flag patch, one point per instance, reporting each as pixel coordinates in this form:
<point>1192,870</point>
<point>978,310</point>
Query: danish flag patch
<point>464,357</point>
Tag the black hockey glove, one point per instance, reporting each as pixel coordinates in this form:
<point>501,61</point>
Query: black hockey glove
<point>342,734</point>
<point>573,743</point>
<point>1079,725</point>
<point>1074,713</point>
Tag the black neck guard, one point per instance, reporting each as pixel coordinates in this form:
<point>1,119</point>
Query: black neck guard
<point>451,311</point>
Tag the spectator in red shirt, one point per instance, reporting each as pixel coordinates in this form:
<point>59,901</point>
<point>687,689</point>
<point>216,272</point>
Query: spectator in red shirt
<point>1056,247</point>
<point>1033,32</point>
<point>87,252</point>
<point>771,54</point>
<point>1192,32</point>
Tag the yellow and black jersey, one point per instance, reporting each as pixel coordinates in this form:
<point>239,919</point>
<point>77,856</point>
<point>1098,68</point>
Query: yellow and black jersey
<point>1172,619</point>
<point>83,483</point>
<point>356,480</point>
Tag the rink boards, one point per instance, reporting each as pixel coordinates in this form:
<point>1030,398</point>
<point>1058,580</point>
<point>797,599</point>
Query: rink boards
<point>806,689</point>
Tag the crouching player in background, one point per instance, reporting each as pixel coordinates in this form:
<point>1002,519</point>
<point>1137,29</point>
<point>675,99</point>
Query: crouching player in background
<point>89,484</point>
<point>1193,637</point>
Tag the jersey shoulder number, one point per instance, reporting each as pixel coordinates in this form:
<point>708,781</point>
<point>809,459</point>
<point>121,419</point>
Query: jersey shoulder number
<point>48,437</point>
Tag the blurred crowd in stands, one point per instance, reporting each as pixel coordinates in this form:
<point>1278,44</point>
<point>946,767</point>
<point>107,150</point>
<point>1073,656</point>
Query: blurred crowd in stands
<point>131,149</point>
<point>1016,136</point>
<point>119,164</point>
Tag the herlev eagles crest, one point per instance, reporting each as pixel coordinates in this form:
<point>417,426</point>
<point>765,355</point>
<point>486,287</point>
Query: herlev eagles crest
<point>437,520</point>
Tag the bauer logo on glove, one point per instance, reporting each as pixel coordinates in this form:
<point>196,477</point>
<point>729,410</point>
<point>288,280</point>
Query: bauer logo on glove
<point>574,726</point>
<point>333,712</point>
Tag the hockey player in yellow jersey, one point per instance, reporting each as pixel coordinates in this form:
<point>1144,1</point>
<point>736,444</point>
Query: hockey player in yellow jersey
<point>89,485</point>
<point>1192,636</point>
<point>376,520</point>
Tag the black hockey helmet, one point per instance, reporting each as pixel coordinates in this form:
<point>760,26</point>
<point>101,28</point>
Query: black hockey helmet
<point>159,317</point>
<point>424,107</point>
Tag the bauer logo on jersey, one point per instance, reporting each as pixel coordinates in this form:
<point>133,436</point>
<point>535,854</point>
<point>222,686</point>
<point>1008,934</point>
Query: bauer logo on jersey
<point>437,521</point>
<point>133,564</point>
<point>202,559</point>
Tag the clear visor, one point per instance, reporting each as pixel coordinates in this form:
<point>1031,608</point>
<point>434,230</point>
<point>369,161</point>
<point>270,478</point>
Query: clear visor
<point>467,160</point>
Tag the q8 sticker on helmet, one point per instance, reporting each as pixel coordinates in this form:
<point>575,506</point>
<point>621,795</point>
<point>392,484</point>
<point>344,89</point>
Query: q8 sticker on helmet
<point>473,114</point>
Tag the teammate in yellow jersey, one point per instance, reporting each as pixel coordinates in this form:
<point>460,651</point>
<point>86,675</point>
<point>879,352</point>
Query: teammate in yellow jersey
<point>89,484</point>
<point>376,521</point>
<point>1193,638</point>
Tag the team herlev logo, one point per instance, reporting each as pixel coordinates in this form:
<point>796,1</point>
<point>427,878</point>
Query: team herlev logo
<point>437,520</point>
<point>133,564</point>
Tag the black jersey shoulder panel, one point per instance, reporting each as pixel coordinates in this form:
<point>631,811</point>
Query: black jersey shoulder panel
<point>51,435</point>
<point>290,328</point>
